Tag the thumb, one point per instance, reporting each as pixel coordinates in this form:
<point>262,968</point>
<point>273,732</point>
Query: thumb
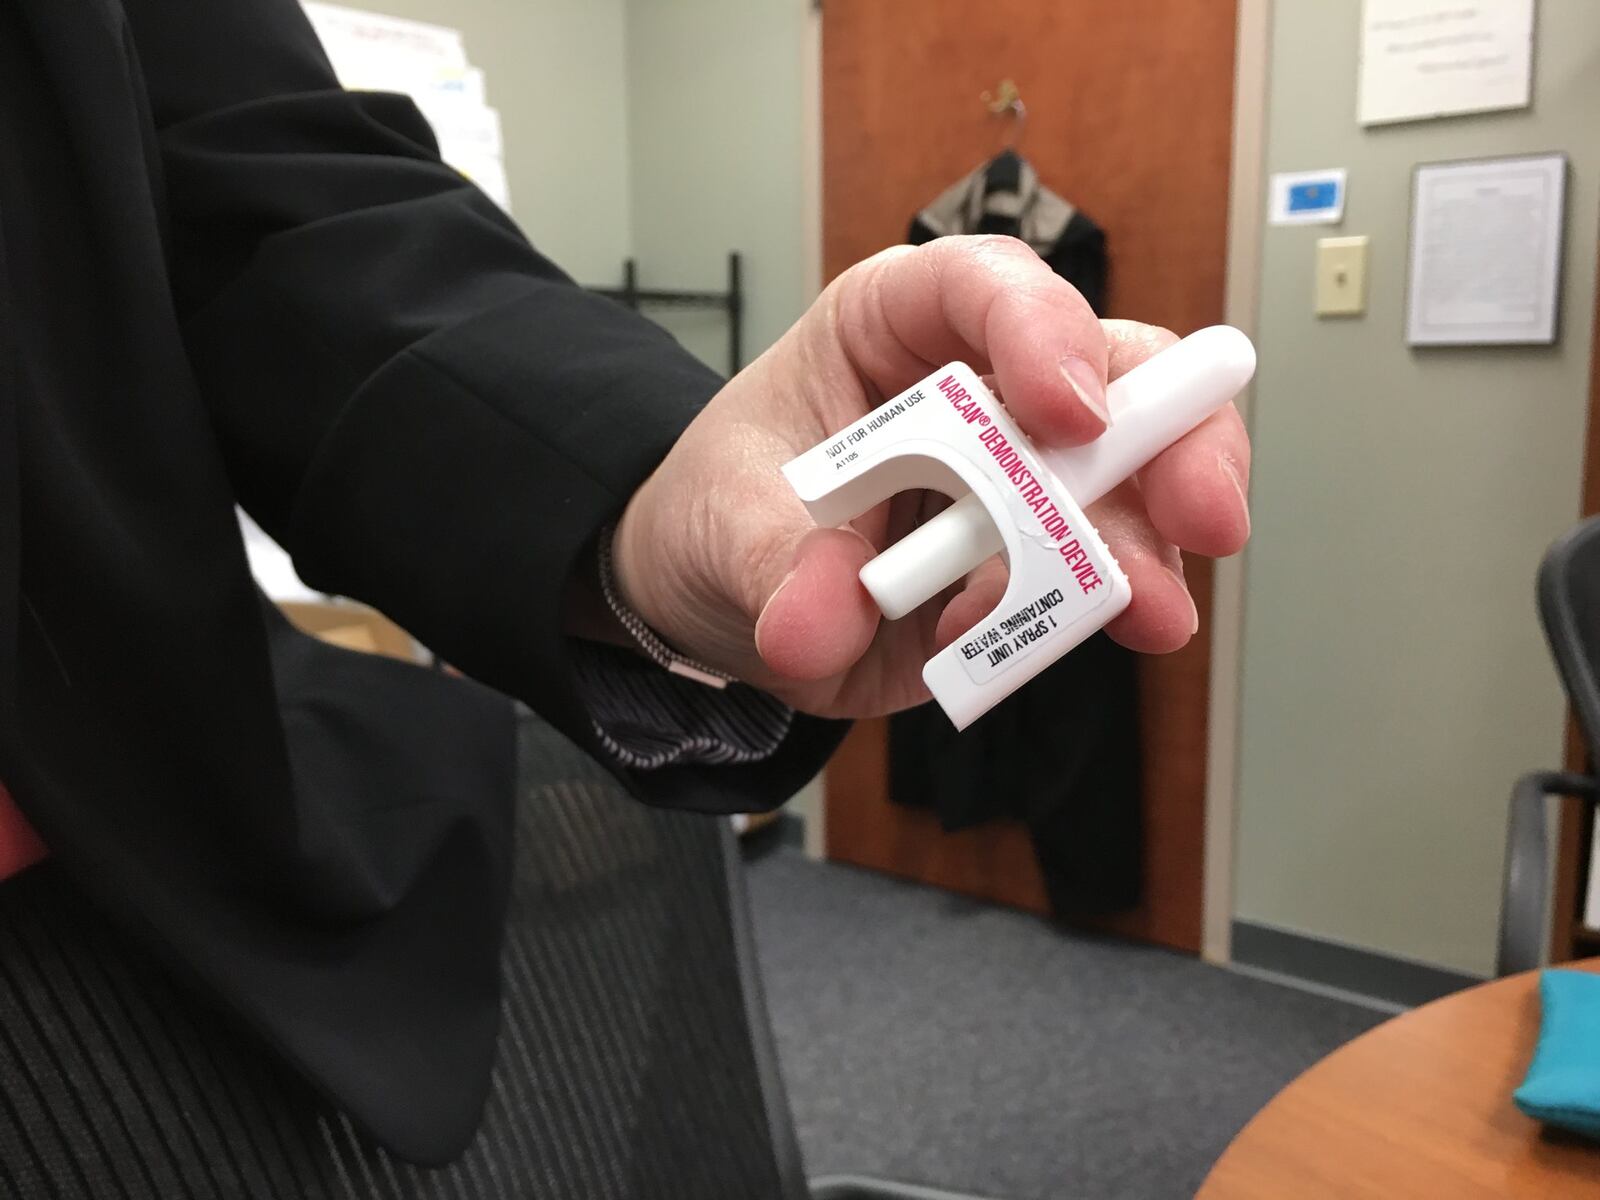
<point>819,620</point>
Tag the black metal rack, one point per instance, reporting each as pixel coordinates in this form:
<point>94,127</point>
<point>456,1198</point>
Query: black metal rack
<point>730,301</point>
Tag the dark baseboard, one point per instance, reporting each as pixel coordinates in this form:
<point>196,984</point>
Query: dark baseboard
<point>788,832</point>
<point>1348,968</point>
<point>791,830</point>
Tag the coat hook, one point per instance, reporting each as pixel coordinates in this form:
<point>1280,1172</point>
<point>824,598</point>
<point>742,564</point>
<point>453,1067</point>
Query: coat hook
<point>1005,98</point>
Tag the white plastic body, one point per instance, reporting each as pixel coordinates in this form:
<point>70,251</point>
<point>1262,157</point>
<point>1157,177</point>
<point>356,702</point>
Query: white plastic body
<point>950,434</point>
<point>1151,407</point>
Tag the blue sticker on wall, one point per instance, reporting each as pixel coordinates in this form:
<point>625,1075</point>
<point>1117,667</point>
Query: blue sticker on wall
<point>1314,196</point>
<point>1308,197</point>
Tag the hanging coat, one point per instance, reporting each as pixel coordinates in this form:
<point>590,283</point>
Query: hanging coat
<point>1061,755</point>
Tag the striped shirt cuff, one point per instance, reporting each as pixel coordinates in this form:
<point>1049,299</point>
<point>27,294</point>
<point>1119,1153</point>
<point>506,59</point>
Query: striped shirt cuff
<point>647,718</point>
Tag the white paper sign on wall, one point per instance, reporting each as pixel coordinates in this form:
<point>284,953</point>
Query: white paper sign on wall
<point>1440,58</point>
<point>1486,251</point>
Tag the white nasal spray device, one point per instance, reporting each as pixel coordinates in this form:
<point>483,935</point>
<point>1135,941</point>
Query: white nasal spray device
<point>949,433</point>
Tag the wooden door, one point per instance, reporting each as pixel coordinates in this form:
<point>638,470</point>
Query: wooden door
<point>1129,116</point>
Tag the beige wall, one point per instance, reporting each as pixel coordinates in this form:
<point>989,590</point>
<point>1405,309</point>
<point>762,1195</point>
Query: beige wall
<point>1394,678</point>
<point>671,130</point>
<point>717,157</point>
<point>556,70</point>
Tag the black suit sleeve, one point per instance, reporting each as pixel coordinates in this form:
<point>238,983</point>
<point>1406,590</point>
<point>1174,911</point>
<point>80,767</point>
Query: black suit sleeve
<point>427,413</point>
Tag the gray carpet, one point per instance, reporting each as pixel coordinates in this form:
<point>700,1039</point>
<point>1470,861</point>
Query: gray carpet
<point>934,1040</point>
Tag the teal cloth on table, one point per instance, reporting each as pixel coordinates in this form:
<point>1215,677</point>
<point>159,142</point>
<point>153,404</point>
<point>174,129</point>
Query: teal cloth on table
<point>1563,1082</point>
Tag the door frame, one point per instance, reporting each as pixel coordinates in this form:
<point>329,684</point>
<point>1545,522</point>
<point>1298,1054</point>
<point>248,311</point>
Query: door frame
<point>1241,303</point>
<point>814,808</point>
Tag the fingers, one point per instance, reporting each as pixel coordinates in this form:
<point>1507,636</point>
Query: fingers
<point>992,303</point>
<point>1196,491</point>
<point>1129,343</point>
<point>1162,616</point>
<point>820,620</point>
<point>979,596</point>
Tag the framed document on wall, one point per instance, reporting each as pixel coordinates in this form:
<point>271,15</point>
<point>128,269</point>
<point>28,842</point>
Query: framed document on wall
<point>1486,243</point>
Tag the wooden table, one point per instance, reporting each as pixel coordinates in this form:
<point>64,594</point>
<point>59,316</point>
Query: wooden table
<point>1418,1107</point>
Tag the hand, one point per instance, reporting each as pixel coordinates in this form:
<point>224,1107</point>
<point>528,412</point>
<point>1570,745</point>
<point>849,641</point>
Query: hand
<point>717,554</point>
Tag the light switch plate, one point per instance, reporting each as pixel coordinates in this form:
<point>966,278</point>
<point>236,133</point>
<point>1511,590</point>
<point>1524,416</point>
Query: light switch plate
<point>1341,276</point>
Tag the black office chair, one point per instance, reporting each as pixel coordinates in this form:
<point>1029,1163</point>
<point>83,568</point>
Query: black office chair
<point>1569,609</point>
<point>637,1061</point>
<point>639,928</point>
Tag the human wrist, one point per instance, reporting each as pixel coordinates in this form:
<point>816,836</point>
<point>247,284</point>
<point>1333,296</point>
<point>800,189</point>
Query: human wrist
<point>629,541</point>
<point>642,634</point>
<point>650,576</point>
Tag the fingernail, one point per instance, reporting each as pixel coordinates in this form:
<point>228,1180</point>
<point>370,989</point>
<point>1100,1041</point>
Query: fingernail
<point>1231,470</point>
<point>1177,573</point>
<point>1087,386</point>
<point>767,607</point>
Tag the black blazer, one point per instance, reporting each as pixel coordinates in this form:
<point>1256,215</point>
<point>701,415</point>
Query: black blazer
<point>222,278</point>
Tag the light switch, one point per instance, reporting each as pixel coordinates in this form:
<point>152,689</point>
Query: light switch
<point>1341,276</point>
